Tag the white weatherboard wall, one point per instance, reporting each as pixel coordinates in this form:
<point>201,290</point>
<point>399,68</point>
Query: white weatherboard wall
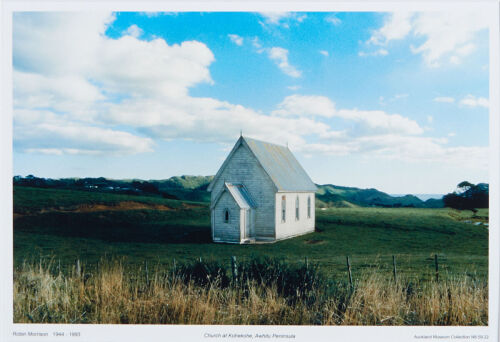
<point>229,231</point>
<point>243,168</point>
<point>291,226</point>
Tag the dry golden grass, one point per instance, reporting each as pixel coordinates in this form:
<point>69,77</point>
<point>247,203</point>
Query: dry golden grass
<point>113,295</point>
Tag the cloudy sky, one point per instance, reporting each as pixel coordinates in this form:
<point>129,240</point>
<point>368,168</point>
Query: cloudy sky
<point>393,101</point>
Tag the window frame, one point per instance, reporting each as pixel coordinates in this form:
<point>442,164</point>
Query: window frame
<point>225,215</point>
<point>309,207</point>
<point>283,208</point>
<point>297,209</point>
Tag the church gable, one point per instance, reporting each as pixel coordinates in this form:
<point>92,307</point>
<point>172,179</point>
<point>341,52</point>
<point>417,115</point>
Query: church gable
<point>278,162</point>
<point>241,167</point>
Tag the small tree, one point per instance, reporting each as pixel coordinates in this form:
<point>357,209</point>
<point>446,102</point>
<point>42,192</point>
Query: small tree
<point>468,196</point>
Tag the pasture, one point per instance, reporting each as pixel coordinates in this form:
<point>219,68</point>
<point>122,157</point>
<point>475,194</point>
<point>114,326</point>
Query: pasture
<point>67,225</point>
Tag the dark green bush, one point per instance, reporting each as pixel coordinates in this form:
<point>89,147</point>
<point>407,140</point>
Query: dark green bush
<point>203,273</point>
<point>291,280</point>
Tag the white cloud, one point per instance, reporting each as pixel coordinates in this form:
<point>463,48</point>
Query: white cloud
<point>378,122</point>
<point>401,147</point>
<point>368,121</point>
<point>294,87</point>
<point>379,52</point>
<point>236,39</point>
<point>423,149</point>
<point>280,57</point>
<point>141,68</point>
<point>324,53</point>
<point>332,19</point>
<point>206,119</point>
<point>400,96</point>
<point>275,17</point>
<point>64,65</point>
<point>469,100</point>
<point>473,101</point>
<point>64,43</point>
<point>70,93</point>
<point>430,119</point>
<point>38,131</point>
<point>282,19</point>
<point>445,99</point>
<point>396,26</point>
<point>301,105</point>
<point>383,101</point>
<point>257,45</point>
<point>158,14</point>
<point>446,35</point>
<point>134,31</point>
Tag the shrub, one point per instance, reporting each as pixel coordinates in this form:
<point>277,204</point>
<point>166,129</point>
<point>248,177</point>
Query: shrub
<point>291,280</point>
<point>203,273</point>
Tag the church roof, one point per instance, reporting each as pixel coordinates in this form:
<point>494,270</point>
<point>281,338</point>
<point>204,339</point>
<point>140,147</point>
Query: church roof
<point>239,193</point>
<point>279,163</point>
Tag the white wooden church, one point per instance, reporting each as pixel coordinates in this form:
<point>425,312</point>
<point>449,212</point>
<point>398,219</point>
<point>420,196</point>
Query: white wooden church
<point>261,194</point>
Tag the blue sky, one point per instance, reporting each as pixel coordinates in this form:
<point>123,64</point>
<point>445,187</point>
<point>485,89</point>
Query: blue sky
<point>393,101</point>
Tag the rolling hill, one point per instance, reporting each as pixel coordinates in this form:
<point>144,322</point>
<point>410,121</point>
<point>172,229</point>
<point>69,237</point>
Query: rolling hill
<point>340,196</point>
<point>194,188</point>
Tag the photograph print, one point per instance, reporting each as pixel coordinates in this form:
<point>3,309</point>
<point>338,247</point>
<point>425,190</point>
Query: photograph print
<point>251,168</point>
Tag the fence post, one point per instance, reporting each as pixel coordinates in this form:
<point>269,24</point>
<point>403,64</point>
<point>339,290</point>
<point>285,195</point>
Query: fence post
<point>437,267</point>
<point>200,259</point>
<point>78,268</point>
<point>349,271</point>
<point>394,269</point>
<point>234,269</point>
<point>307,264</point>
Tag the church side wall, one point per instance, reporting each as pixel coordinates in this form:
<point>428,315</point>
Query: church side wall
<point>230,231</point>
<point>244,168</point>
<point>291,226</point>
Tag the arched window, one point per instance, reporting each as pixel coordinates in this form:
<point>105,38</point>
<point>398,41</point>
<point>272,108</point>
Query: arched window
<point>226,215</point>
<point>283,208</point>
<point>309,207</point>
<point>297,208</point>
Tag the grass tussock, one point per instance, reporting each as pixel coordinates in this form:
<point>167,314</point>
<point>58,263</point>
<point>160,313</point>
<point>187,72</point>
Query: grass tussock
<point>265,292</point>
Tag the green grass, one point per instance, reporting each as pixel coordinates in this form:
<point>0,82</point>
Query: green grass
<point>31,200</point>
<point>370,236</point>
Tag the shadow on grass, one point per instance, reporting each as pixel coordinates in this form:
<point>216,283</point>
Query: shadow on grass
<point>146,226</point>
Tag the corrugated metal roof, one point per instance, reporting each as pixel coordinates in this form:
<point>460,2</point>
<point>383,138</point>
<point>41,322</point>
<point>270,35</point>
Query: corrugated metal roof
<point>280,164</point>
<point>240,195</point>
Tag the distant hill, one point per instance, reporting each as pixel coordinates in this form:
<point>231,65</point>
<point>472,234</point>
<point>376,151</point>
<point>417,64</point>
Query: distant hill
<point>194,188</point>
<point>341,196</point>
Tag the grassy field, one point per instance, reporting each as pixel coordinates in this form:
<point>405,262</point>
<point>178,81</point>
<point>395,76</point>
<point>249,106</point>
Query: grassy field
<point>66,225</point>
<point>265,292</point>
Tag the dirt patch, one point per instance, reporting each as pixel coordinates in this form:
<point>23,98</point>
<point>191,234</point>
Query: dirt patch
<point>314,242</point>
<point>87,208</point>
<point>128,205</point>
<point>191,206</point>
